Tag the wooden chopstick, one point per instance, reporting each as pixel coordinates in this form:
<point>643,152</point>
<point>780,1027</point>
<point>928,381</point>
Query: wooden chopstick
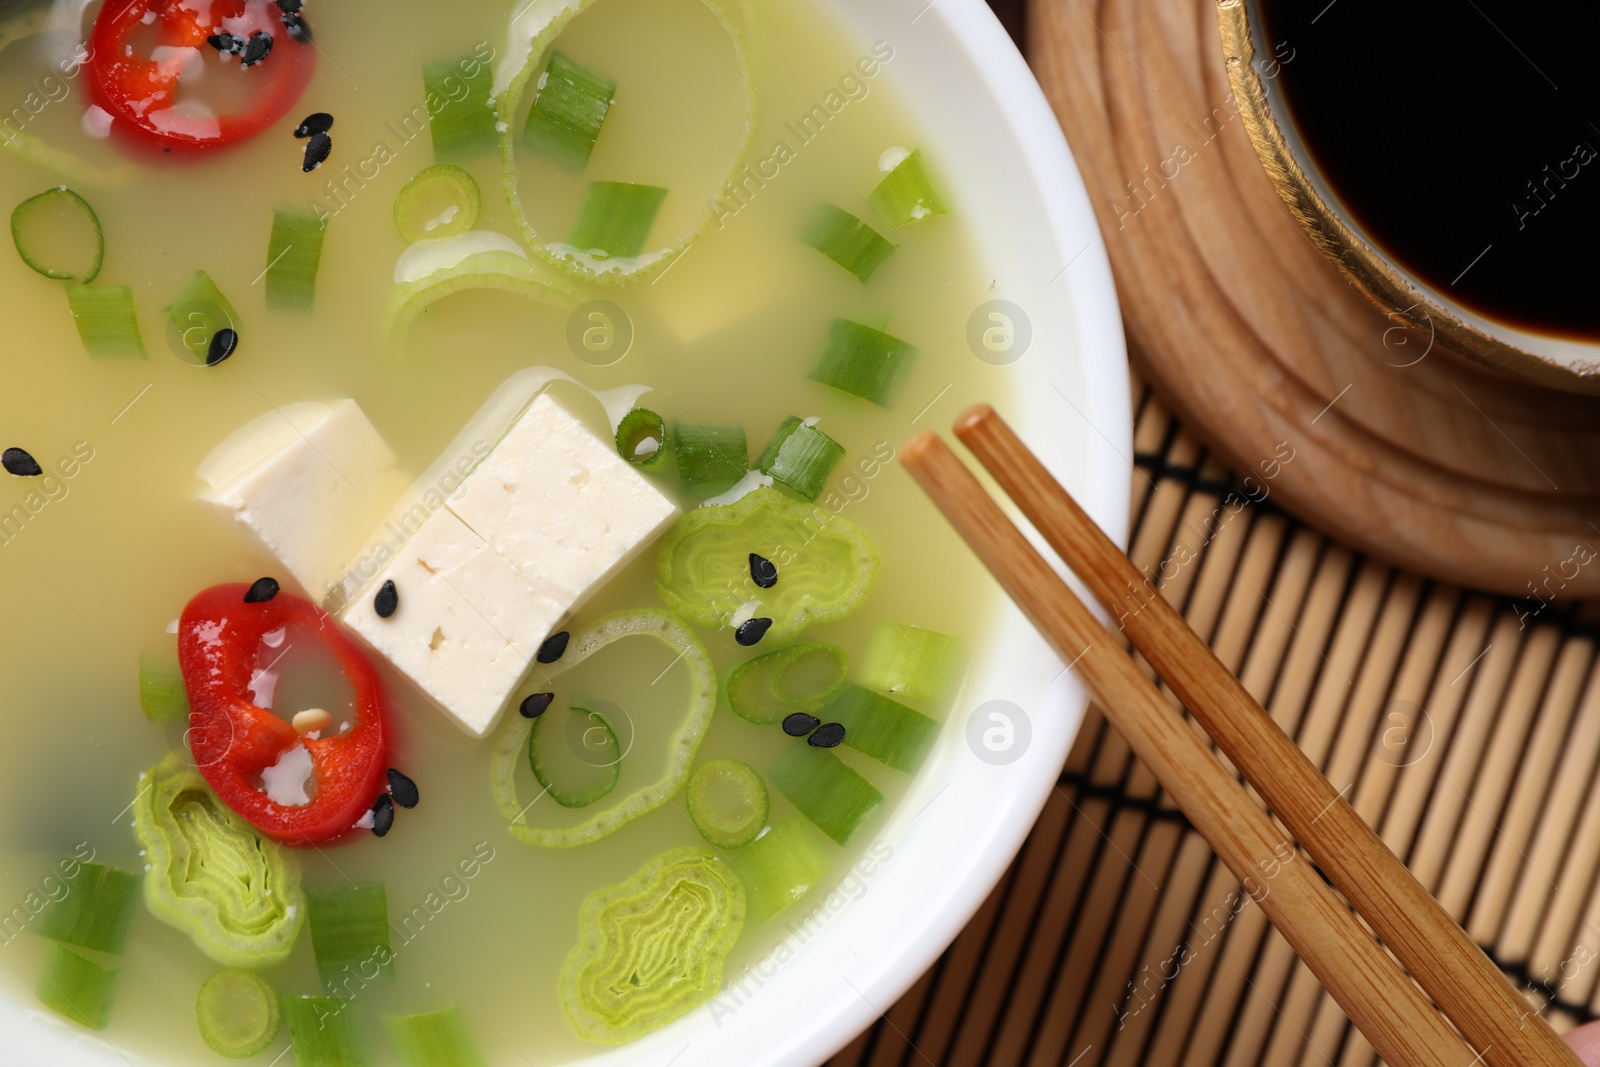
<point>1361,976</point>
<point>1448,965</point>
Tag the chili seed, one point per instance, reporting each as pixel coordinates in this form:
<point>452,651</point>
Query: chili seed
<point>297,27</point>
<point>382,814</point>
<point>261,591</point>
<point>316,122</point>
<point>317,149</point>
<point>799,724</point>
<point>752,631</point>
<point>535,705</point>
<point>257,48</point>
<point>227,43</point>
<point>20,463</point>
<point>763,571</point>
<point>828,735</point>
<point>403,789</point>
<point>223,343</point>
<point>554,647</point>
<point>387,600</point>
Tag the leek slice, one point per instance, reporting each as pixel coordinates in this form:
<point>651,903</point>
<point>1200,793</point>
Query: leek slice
<point>107,322</point>
<point>568,113</point>
<point>429,271</point>
<point>437,1039</point>
<point>513,740</point>
<point>96,913</point>
<point>727,802</point>
<point>863,361</point>
<point>782,865</point>
<point>846,240</point>
<point>441,201</point>
<point>907,194</point>
<point>912,661</point>
<point>827,564</point>
<point>58,234</point>
<point>616,219</point>
<point>535,25</point>
<point>835,798</point>
<point>463,125</point>
<point>882,728</point>
<point>238,1013</point>
<point>801,457</point>
<point>322,1034</point>
<point>575,755</point>
<point>77,988</point>
<point>651,948</point>
<point>235,893</point>
<point>642,440</point>
<point>711,459</point>
<point>199,312</point>
<point>768,689</point>
<point>294,253</point>
<point>350,931</point>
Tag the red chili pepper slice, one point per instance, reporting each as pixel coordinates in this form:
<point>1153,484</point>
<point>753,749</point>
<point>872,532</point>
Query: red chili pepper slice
<point>233,740</point>
<point>155,74</point>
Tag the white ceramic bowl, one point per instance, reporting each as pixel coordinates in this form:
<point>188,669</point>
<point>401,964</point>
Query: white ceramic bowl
<point>964,819</point>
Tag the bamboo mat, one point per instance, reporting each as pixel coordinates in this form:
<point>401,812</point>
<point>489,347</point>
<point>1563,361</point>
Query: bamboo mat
<point>1466,730</point>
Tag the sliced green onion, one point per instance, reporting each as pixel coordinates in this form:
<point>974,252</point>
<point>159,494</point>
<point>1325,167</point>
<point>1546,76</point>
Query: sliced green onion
<point>463,120</point>
<point>782,865</point>
<point>58,234</point>
<point>918,663</point>
<point>322,1034</point>
<point>801,457</point>
<point>238,1013</point>
<point>441,201</point>
<point>863,361</point>
<point>727,802</point>
<point>429,271</point>
<point>642,440</point>
<point>161,691</point>
<point>575,755</point>
<point>710,458</point>
<point>106,320</point>
<point>882,728</point>
<point>512,745</point>
<point>846,240</point>
<point>568,112</point>
<point>826,563</point>
<point>294,253</point>
<point>96,913</point>
<point>907,194</point>
<point>769,688</point>
<point>835,798</point>
<point>75,987</point>
<point>437,1039</point>
<point>350,931</point>
<point>242,905</point>
<point>616,219</point>
<point>199,312</point>
<point>651,948</point>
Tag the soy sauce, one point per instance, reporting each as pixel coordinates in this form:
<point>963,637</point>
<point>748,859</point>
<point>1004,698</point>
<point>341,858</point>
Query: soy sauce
<point>1467,149</point>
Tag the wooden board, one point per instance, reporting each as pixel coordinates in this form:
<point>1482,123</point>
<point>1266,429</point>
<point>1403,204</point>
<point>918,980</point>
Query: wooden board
<point>1399,447</point>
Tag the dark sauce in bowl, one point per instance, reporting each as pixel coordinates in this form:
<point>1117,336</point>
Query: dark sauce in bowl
<point>1467,149</point>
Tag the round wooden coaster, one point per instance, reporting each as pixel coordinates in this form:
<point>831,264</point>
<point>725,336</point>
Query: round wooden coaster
<point>1346,415</point>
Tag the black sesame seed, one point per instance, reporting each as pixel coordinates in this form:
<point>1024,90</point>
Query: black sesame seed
<point>316,122</point>
<point>261,591</point>
<point>403,789</point>
<point>763,571</point>
<point>290,6</point>
<point>799,724</point>
<point>317,149</point>
<point>382,814</point>
<point>257,48</point>
<point>227,43</point>
<point>554,647</point>
<point>535,705</point>
<point>20,463</point>
<point>387,600</point>
<point>297,27</point>
<point>828,735</point>
<point>752,631</point>
<point>223,343</point>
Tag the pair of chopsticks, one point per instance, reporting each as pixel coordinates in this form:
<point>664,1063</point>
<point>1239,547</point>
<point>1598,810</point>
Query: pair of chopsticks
<point>1373,987</point>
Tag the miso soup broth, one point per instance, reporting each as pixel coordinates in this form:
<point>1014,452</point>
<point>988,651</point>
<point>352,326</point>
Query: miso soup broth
<point>102,550</point>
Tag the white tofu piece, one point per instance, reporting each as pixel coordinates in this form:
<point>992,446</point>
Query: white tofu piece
<point>311,481</point>
<point>467,626</point>
<point>560,505</point>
